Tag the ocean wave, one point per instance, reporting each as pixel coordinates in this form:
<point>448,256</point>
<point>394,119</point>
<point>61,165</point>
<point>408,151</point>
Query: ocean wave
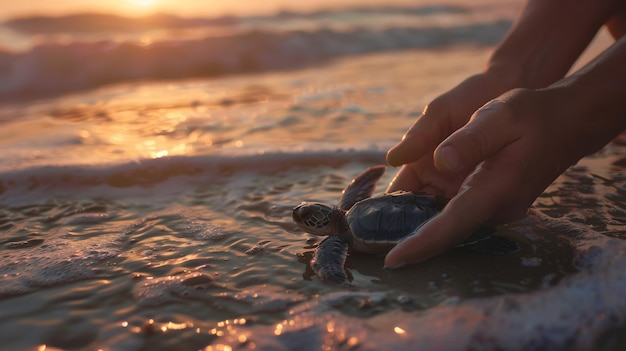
<point>102,22</point>
<point>55,68</point>
<point>152,172</point>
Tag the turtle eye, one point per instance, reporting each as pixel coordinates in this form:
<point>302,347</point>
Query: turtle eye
<point>304,212</point>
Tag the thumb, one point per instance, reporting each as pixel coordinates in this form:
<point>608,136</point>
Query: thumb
<point>462,216</point>
<point>477,203</point>
<point>491,128</point>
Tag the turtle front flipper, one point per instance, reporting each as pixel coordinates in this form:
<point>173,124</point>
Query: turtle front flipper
<point>361,187</point>
<point>329,260</point>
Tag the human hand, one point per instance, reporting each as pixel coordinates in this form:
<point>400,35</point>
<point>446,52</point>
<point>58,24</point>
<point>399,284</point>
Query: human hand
<point>440,118</point>
<point>512,148</point>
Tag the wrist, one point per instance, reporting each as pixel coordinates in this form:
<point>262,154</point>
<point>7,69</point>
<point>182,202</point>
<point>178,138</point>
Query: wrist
<point>598,89</point>
<point>508,75</point>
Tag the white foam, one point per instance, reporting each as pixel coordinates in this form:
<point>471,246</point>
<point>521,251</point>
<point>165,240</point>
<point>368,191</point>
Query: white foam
<point>55,260</point>
<point>157,291</point>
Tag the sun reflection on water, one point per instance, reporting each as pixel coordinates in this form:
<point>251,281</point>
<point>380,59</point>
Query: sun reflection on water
<point>254,115</point>
<point>229,331</point>
<point>399,331</point>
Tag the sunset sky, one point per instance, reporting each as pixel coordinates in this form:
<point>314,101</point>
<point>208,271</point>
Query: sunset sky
<point>12,8</point>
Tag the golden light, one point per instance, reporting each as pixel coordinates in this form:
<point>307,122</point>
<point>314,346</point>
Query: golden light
<point>143,3</point>
<point>44,347</point>
<point>140,7</point>
<point>352,341</point>
<point>218,347</point>
<point>399,331</point>
<point>279,329</point>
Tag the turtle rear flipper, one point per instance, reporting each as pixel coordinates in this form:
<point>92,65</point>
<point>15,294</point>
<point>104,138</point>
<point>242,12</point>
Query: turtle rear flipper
<point>483,241</point>
<point>329,260</point>
<point>495,245</point>
<point>479,235</point>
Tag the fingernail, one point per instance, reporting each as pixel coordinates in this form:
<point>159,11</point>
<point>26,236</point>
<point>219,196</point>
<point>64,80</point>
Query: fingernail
<point>450,158</point>
<point>395,266</point>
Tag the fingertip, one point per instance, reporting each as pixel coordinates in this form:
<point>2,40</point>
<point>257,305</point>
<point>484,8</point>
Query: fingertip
<point>401,256</point>
<point>393,261</point>
<point>409,251</point>
<point>392,157</point>
<point>412,146</point>
<point>395,265</point>
<point>448,159</point>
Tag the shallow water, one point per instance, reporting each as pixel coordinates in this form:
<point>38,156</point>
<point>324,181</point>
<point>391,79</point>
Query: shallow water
<point>220,262</point>
<point>157,215</point>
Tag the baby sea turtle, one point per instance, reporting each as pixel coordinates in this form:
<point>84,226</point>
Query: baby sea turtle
<point>362,223</point>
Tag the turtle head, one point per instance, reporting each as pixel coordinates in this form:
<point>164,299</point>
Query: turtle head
<point>318,218</point>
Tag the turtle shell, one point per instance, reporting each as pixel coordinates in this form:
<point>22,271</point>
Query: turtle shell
<point>389,218</point>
